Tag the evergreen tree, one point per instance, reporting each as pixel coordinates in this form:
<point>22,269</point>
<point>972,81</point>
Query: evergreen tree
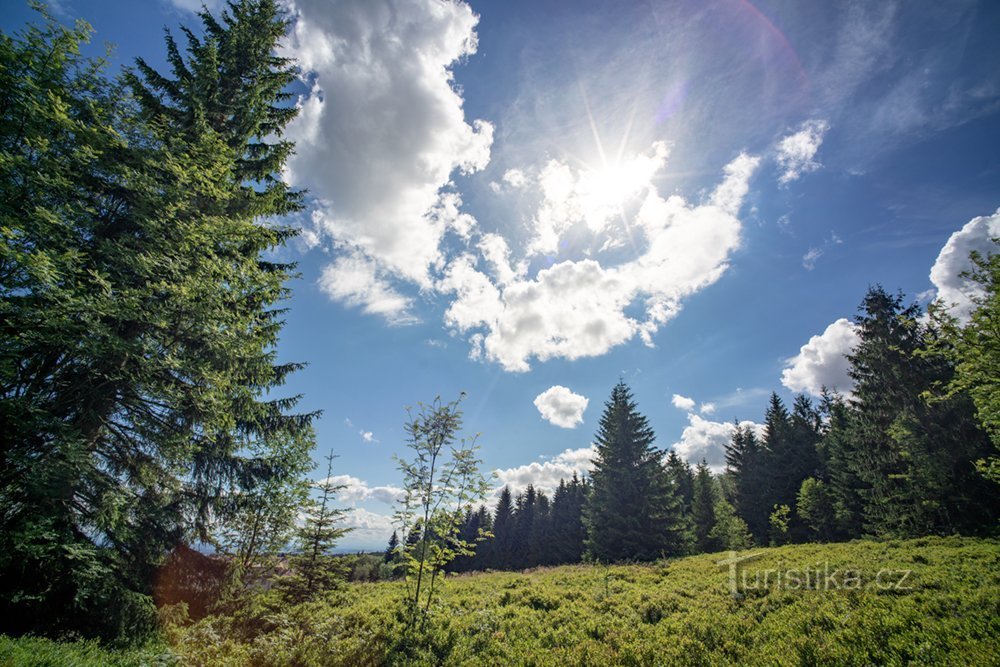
<point>315,569</point>
<point>914,456</point>
<point>525,511</point>
<point>139,319</point>
<point>392,548</point>
<point>502,545</point>
<point>974,349</point>
<point>632,512</point>
<point>681,478</point>
<point>703,508</point>
<point>745,467</point>
<point>567,530</point>
<point>839,461</point>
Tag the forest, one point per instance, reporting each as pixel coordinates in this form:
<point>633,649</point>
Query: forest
<point>155,478</point>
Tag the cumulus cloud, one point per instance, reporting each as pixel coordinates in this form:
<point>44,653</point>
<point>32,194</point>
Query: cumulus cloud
<point>953,290</point>
<point>368,529</point>
<point>577,307</point>
<point>368,436</point>
<point>822,362</point>
<point>706,440</point>
<point>383,129</point>
<point>357,490</point>
<point>797,151</point>
<point>561,407</point>
<point>707,408</point>
<point>356,280</point>
<point>682,402</point>
<point>545,476</point>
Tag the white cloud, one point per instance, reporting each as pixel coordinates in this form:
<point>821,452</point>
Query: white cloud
<point>515,178</point>
<point>370,530</point>
<point>368,436</point>
<point>952,289</point>
<point>577,308</point>
<point>821,362</point>
<point>357,490</point>
<point>561,407</point>
<point>707,408</point>
<point>545,476</point>
<point>809,259</point>
<point>383,127</point>
<point>682,402</point>
<point>593,196</point>
<point>797,151</point>
<point>706,440</point>
<point>355,280</point>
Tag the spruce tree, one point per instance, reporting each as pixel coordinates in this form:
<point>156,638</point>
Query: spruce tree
<point>632,512</point>
<point>501,547</point>
<point>745,466</point>
<point>315,568</point>
<point>703,508</point>
<point>391,548</point>
<point>138,373</point>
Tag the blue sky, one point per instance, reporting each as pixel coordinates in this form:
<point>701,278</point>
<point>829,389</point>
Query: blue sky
<point>529,200</point>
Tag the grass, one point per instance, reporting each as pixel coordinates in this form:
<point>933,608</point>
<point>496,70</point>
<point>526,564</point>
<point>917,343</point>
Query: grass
<point>38,652</point>
<point>933,601</point>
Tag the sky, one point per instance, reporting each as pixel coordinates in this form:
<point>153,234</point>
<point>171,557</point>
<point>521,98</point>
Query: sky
<point>528,201</point>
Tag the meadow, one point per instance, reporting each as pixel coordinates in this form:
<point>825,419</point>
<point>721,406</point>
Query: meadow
<point>929,601</point>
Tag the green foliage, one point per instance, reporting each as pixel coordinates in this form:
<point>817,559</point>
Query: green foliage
<point>746,469</point>
<point>633,512</point>
<point>974,348</point>
<point>314,569</point>
<point>138,318</point>
<point>729,532</point>
<point>703,508</point>
<point>780,521</point>
<point>677,612</point>
<point>440,482</point>
<point>39,652</point>
<point>814,507</point>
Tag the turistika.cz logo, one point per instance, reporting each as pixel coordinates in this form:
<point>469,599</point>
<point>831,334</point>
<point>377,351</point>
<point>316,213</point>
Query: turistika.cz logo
<point>818,577</point>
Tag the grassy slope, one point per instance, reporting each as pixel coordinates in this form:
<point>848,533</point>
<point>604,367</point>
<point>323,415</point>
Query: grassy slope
<point>679,612</point>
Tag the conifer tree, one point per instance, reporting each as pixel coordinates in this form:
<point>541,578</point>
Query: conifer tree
<point>142,396</point>
<point>745,467</point>
<point>703,508</point>
<point>632,512</point>
<point>316,569</point>
<point>502,545</point>
<point>392,548</point>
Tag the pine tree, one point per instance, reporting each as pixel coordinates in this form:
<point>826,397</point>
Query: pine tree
<point>525,511</point>
<point>315,569</point>
<point>914,456</point>
<point>502,545</point>
<point>136,401</point>
<point>682,479</point>
<point>703,508</point>
<point>392,548</point>
<point>632,511</point>
<point>745,466</point>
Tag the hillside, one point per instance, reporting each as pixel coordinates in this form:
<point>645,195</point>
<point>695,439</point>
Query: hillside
<point>923,601</point>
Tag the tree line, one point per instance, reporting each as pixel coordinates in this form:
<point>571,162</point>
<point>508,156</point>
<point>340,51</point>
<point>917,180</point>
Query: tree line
<point>911,451</point>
